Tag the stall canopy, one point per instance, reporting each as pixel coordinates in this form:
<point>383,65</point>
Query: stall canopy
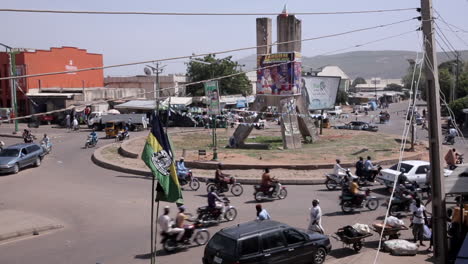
<point>178,101</point>
<point>137,105</point>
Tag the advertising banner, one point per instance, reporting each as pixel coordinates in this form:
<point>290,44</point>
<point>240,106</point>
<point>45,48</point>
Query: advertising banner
<point>212,98</point>
<point>279,73</point>
<point>320,91</point>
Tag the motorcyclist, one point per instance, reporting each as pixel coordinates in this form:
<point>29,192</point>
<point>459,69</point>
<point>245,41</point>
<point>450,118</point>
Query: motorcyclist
<point>182,171</point>
<point>165,222</point>
<point>354,189</point>
<point>222,178</point>
<point>93,135</point>
<point>370,170</point>
<point>360,167</point>
<point>27,136</point>
<point>268,182</point>
<point>338,170</point>
<point>180,223</point>
<point>452,133</point>
<point>213,198</point>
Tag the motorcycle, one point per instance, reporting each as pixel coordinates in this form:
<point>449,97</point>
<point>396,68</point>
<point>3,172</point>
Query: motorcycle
<point>121,136</point>
<point>192,182</point>
<point>278,192</point>
<point>208,215</point>
<point>338,181</point>
<point>368,177</point>
<point>91,142</point>
<point>236,188</point>
<point>449,140</point>
<point>46,147</point>
<point>349,202</point>
<point>400,203</point>
<point>170,243</point>
<point>29,138</point>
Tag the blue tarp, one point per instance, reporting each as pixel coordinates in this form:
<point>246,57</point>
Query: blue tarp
<point>240,104</point>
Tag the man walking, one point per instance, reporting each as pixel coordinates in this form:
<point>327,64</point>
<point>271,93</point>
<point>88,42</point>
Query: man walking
<point>315,224</point>
<point>419,218</point>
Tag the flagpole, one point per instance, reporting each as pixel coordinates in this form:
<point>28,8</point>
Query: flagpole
<point>156,233</point>
<point>152,220</point>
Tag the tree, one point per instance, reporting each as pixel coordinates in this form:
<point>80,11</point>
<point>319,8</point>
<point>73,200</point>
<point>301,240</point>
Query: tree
<point>358,80</point>
<point>422,81</point>
<point>457,107</point>
<point>197,71</point>
<point>341,97</point>
<point>394,87</point>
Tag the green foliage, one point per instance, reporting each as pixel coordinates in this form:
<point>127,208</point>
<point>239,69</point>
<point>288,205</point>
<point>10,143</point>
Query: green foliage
<point>457,107</point>
<point>394,87</point>
<point>358,80</point>
<point>238,84</point>
<point>341,97</point>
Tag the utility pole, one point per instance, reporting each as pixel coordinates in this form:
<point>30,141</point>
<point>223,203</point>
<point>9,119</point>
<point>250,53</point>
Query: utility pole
<point>435,135</point>
<point>156,71</point>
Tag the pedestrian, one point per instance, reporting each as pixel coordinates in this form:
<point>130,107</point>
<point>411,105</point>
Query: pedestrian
<point>419,218</point>
<point>68,121</point>
<point>315,221</point>
<point>424,113</point>
<point>428,187</point>
<point>75,124</point>
<point>262,214</point>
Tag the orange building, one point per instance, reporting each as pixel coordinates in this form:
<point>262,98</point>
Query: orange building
<point>44,61</point>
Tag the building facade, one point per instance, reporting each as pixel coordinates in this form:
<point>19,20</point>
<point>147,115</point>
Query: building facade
<point>29,62</point>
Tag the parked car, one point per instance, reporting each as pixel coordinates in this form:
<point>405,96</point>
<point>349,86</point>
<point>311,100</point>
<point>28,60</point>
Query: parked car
<point>359,125</point>
<point>365,107</point>
<point>414,170</point>
<point>266,242</point>
<point>336,111</point>
<point>18,156</point>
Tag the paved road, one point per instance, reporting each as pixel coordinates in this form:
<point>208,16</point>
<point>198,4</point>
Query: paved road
<point>106,213</point>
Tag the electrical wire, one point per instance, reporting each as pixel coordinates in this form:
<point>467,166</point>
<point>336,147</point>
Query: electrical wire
<point>198,14</point>
<point>168,88</point>
<point>206,54</point>
<point>445,52</point>
<point>444,37</point>
<point>450,27</point>
<point>403,144</point>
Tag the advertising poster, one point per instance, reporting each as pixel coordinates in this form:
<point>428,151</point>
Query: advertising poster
<point>212,98</point>
<point>279,73</point>
<point>320,91</point>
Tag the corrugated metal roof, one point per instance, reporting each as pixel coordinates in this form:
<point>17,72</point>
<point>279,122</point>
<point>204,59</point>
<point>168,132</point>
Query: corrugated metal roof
<point>457,182</point>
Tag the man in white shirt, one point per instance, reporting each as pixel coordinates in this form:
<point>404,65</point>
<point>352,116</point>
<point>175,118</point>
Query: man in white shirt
<point>315,224</point>
<point>338,170</point>
<point>419,218</point>
<point>165,223</point>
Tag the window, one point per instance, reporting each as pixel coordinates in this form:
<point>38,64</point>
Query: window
<point>32,148</point>
<point>24,152</point>
<point>292,236</point>
<point>249,246</point>
<point>222,244</point>
<point>404,166</point>
<point>272,240</point>
<point>422,169</point>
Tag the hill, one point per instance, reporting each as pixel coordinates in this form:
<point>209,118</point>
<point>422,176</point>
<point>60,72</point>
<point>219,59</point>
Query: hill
<point>387,64</point>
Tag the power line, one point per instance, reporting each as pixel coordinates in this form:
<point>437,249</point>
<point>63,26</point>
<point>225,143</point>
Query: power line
<point>449,26</point>
<point>444,37</point>
<point>168,88</point>
<point>445,52</point>
<point>197,14</point>
<point>206,54</point>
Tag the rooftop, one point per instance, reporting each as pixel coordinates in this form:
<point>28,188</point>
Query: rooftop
<point>457,182</point>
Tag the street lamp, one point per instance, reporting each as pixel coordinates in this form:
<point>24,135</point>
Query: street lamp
<point>11,60</point>
<point>214,136</point>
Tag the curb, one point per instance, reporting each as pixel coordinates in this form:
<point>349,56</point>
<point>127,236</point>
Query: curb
<point>99,160</point>
<point>10,136</point>
<point>212,165</point>
<point>29,232</point>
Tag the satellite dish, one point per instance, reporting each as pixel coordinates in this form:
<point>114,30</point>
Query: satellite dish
<point>147,71</point>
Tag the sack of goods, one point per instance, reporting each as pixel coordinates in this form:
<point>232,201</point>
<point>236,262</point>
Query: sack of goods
<point>395,222</point>
<point>349,231</point>
<point>362,229</point>
<point>400,247</point>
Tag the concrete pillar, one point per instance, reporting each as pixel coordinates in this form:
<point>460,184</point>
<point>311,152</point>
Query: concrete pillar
<point>289,28</point>
<point>263,35</point>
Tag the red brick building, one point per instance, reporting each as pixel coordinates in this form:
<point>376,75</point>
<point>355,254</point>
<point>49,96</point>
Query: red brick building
<point>43,61</point>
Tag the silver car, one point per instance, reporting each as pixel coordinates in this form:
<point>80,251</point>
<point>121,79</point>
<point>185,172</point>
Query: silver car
<point>18,156</point>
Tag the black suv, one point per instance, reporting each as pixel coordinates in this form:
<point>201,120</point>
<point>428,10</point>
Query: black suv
<point>266,242</point>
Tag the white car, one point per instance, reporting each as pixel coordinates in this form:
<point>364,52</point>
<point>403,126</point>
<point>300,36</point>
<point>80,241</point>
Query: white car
<point>414,170</point>
<point>336,111</point>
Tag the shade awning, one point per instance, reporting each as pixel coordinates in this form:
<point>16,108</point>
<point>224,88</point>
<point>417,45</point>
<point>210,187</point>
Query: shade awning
<point>457,182</point>
<point>177,101</point>
<point>138,105</point>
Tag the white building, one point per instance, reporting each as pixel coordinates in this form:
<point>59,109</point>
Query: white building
<point>336,71</point>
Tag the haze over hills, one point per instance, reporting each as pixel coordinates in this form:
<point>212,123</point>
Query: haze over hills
<point>387,64</point>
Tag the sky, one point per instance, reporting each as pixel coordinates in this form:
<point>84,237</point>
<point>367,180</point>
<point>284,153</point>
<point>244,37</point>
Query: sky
<point>123,39</point>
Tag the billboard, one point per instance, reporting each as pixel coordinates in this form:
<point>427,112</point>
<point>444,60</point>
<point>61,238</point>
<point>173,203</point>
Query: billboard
<point>320,91</point>
<point>212,98</point>
<point>279,73</point>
